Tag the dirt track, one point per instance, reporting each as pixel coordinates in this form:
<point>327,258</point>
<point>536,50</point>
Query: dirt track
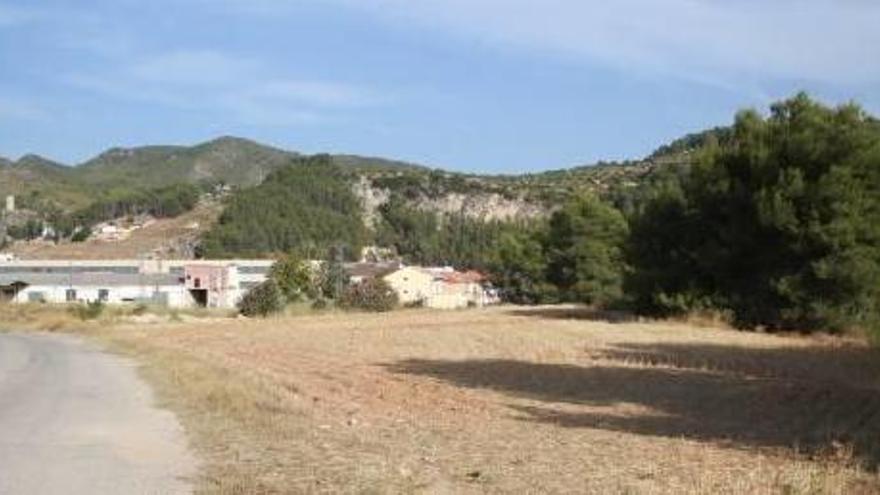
<point>74,420</point>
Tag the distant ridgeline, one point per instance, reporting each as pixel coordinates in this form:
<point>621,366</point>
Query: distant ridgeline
<point>419,212</point>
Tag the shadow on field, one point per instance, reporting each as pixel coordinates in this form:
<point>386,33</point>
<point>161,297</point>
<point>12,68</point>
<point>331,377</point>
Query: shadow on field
<point>574,313</point>
<point>798,398</point>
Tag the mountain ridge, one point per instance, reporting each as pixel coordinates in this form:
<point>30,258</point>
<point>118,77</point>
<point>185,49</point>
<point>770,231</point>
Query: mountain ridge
<point>240,162</point>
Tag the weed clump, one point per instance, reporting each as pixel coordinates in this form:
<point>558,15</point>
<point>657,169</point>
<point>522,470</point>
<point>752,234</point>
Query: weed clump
<point>89,311</point>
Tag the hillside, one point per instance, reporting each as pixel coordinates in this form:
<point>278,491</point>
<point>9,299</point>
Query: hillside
<point>244,163</point>
<point>393,199</point>
<point>226,160</point>
<point>166,238</point>
<point>36,180</point>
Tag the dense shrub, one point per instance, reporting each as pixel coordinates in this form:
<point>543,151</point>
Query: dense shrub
<point>293,277</point>
<point>370,295</point>
<point>262,300</point>
<point>81,235</point>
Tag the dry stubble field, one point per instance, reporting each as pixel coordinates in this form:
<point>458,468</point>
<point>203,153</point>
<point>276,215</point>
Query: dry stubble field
<point>512,400</point>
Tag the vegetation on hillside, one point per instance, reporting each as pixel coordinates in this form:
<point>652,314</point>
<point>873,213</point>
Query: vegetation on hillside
<point>429,238</point>
<point>695,141</point>
<point>307,207</point>
<point>225,160</point>
<point>163,202</point>
<point>42,184</point>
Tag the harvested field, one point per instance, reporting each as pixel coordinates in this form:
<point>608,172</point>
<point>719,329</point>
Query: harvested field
<point>514,400</point>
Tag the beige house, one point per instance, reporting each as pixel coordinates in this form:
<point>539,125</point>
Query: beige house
<point>412,284</point>
<point>440,288</point>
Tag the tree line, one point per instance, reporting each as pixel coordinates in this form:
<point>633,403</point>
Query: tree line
<point>779,226</point>
<point>774,221</point>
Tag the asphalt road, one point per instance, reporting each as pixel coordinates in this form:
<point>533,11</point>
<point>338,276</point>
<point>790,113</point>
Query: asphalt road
<point>75,420</point>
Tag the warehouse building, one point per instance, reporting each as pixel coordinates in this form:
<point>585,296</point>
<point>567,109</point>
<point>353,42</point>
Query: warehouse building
<point>172,283</point>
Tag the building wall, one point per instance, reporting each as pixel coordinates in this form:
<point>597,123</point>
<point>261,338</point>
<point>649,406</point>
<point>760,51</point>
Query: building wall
<point>434,290</point>
<point>411,284</point>
<point>456,295</point>
<point>220,282</point>
<point>172,296</point>
<point>447,301</point>
<point>230,280</point>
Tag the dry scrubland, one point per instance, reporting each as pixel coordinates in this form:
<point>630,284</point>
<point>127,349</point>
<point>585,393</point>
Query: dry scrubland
<point>164,235</point>
<point>505,400</point>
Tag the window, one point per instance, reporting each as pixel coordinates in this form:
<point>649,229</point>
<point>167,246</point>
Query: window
<point>70,295</point>
<point>103,295</point>
<point>36,297</point>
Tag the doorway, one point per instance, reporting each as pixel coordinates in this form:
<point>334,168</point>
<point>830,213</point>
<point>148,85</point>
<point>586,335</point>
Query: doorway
<point>200,296</point>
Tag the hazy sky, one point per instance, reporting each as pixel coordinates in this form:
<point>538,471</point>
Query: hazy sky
<point>476,85</point>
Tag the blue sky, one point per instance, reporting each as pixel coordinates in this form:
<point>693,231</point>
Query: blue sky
<point>473,85</point>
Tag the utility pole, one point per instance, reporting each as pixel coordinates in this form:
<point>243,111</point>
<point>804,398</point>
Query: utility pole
<point>3,229</point>
<point>340,260</point>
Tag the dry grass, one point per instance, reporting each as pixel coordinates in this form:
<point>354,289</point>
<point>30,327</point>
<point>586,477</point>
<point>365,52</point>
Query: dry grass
<point>510,400</point>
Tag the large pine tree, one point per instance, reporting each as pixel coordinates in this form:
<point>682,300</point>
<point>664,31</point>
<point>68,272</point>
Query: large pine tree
<point>780,225</point>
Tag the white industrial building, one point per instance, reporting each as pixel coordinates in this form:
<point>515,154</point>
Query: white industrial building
<point>172,283</point>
